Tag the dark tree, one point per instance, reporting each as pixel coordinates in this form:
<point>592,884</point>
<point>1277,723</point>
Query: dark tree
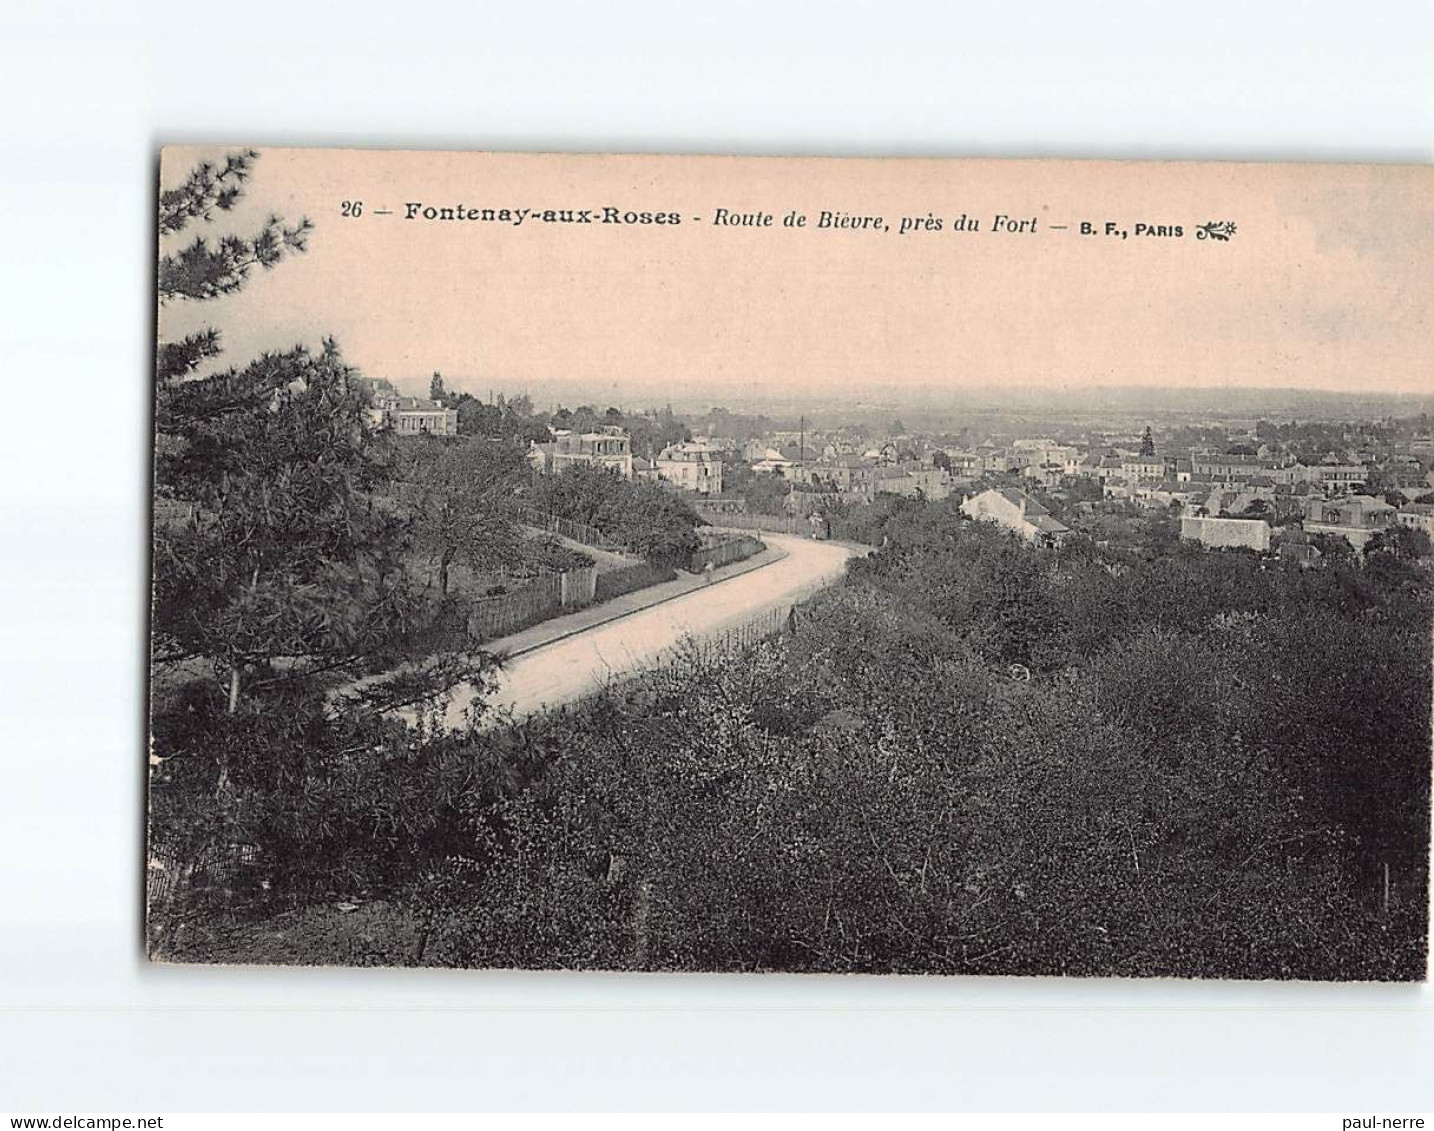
<point>209,266</point>
<point>458,492</point>
<point>269,548</point>
<point>1332,547</point>
<point>478,419</point>
<point>1407,543</point>
<point>281,553</point>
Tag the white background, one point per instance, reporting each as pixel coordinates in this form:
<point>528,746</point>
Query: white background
<point>87,93</point>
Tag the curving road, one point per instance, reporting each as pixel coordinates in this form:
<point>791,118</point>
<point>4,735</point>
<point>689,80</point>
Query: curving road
<point>570,668</point>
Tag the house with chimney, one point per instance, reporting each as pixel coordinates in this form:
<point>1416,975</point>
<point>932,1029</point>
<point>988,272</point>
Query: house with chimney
<point>408,416</point>
<point>610,448</point>
<point>1356,518</point>
<point>691,467</point>
<point>1017,512</point>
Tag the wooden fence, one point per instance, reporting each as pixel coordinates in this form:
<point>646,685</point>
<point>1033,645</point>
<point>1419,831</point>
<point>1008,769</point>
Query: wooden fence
<point>577,531</point>
<point>770,523</point>
<point>628,579</point>
<point>740,637</point>
<point>724,552</point>
<point>539,599</point>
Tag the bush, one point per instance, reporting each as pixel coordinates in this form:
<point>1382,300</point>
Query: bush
<point>1210,769</point>
<point>645,518</point>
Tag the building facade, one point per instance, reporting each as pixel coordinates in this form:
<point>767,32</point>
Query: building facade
<point>610,449</point>
<point>1144,467</point>
<point>847,473</point>
<point>1227,533</point>
<point>1338,476</point>
<point>1356,518</point>
<point>691,467</point>
<point>409,416</point>
<point>1017,512</point>
<point>1418,516</point>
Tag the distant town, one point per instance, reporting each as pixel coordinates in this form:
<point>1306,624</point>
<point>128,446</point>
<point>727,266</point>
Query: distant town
<point>1289,488</point>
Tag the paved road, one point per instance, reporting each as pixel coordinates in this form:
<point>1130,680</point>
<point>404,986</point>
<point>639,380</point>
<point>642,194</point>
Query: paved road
<point>568,669</point>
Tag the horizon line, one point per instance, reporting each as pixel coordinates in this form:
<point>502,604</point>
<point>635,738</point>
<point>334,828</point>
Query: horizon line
<point>467,386</point>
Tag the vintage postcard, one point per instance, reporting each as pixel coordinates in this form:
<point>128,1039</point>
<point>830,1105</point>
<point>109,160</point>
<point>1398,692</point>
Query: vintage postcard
<point>812,565</point>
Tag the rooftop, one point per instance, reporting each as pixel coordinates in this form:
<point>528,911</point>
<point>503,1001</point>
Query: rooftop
<point>1035,514</point>
<point>1363,502</point>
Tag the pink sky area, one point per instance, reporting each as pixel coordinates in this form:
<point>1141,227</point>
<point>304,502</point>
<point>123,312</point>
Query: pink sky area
<point>1324,285</point>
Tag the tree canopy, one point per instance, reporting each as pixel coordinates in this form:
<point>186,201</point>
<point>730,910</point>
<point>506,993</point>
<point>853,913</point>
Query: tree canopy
<point>271,545</point>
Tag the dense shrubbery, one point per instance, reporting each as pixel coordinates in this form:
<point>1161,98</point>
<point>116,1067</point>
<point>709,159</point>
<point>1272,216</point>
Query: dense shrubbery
<point>455,496</point>
<point>762,492</point>
<point>647,519</point>
<point>1214,762</point>
<point>866,522</point>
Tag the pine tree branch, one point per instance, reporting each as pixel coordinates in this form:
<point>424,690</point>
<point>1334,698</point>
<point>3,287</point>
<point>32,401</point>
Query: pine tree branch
<point>205,189</point>
<point>175,360</point>
<point>202,272</point>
